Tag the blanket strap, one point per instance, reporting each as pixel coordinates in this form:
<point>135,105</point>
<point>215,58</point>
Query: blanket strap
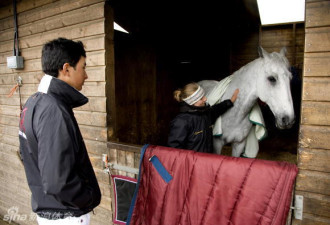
<point>161,169</point>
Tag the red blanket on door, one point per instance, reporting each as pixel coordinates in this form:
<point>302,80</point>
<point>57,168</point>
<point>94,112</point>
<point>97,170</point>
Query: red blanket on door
<point>210,189</point>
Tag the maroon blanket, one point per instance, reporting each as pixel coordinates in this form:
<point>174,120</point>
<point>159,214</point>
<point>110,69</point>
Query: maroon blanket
<point>210,189</point>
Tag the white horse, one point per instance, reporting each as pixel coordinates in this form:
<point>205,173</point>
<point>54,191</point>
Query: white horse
<point>266,78</point>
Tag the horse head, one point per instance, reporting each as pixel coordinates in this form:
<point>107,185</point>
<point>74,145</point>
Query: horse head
<point>273,86</point>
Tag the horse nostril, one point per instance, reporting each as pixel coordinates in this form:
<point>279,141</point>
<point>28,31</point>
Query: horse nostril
<point>285,119</point>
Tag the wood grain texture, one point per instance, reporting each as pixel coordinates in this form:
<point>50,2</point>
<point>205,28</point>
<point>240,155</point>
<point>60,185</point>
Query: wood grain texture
<point>316,89</point>
<point>315,113</point>
<point>317,39</point>
<point>314,137</point>
<point>317,64</point>
<point>314,159</point>
<point>313,181</point>
<point>317,14</point>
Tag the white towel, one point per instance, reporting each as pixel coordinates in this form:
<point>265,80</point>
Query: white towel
<point>257,133</point>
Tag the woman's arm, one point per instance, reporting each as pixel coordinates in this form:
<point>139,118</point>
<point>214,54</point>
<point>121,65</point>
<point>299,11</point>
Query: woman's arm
<point>219,109</point>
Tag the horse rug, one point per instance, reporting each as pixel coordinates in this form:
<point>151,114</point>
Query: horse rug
<point>177,186</point>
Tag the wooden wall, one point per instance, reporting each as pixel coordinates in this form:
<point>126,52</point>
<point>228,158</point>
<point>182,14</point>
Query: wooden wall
<point>40,21</point>
<point>291,36</point>
<point>313,180</point>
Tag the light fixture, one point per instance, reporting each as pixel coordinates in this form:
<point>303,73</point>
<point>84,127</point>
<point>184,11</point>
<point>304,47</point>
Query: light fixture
<point>281,11</point>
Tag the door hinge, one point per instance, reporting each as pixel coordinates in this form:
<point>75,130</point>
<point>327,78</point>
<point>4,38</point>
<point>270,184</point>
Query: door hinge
<point>298,207</point>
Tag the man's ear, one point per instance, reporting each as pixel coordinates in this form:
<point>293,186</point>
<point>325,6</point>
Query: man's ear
<point>65,69</point>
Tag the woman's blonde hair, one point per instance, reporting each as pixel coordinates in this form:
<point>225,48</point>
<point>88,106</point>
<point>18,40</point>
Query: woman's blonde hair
<point>185,92</point>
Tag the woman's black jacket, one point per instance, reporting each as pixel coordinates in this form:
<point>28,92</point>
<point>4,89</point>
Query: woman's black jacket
<point>192,128</point>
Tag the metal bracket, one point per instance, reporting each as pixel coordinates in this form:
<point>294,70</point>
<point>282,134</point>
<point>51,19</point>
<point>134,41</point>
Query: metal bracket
<point>299,206</point>
<point>107,167</point>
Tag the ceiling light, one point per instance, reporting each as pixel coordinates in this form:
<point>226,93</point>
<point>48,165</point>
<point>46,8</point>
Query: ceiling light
<point>119,28</point>
<point>281,11</point>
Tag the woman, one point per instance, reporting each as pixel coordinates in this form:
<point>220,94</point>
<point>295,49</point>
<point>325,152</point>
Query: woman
<point>192,128</point>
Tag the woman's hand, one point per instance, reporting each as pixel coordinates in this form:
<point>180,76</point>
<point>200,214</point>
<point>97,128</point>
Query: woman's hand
<point>234,97</point>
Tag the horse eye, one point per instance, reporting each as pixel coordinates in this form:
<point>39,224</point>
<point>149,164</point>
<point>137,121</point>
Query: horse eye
<point>272,79</point>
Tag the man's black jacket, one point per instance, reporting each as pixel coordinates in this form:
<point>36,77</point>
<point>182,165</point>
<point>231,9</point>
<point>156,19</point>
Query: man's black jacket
<point>192,128</point>
<point>57,166</point>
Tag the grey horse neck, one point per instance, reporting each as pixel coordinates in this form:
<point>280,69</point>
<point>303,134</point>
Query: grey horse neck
<point>245,79</point>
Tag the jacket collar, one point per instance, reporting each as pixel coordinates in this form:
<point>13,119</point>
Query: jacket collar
<point>185,108</point>
<point>61,90</point>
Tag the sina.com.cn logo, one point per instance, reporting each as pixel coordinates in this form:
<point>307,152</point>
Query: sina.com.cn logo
<point>14,215</point>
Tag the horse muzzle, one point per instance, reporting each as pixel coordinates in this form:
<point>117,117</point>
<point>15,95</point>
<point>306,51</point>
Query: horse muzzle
<point>285,122</point>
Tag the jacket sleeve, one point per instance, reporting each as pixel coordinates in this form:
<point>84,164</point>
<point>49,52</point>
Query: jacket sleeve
<point>57,160</point>
<point>179,130</point>
<point>219,109</point>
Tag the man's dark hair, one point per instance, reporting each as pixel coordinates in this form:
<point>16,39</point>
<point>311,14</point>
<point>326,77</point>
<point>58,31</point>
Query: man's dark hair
<point>59,51</point>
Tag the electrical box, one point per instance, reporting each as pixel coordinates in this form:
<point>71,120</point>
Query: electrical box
<point>15,62</point>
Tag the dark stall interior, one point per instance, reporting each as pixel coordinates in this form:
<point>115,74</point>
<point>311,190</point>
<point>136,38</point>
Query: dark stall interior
<point>172,43</point>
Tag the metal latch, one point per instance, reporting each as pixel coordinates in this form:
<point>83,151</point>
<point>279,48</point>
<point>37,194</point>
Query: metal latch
<point>107,167</point>
<point>299,206</point>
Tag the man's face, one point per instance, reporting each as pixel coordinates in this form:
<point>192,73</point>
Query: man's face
<point>78,75</point>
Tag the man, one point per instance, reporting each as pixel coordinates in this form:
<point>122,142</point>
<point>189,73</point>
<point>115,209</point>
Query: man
<point>59,173</point>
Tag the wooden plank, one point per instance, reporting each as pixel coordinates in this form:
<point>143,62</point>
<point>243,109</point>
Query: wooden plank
<point>314,137</point>
<point>106,203</point>
<point>27,78</point>
<point>310,219</point>
<point>313,181</point>
<point>9,120</point>
<point>105,188</point>
<point>102,177</point>
<point>125,147</point>
<point>42,12</point>
<point>95,104</point>
<point>78,31</point>
<point>316,0</point>
<point>93,43</point>
<point>121,160</point>
<point>9,140</point>
<point>316,204</point>
<point>314,159</point>
<point>11,101</point>
<point>9,130</point>
<point>95,58</point>
<point>102,216</point>
<point>317,39</point>
<point>113,158</point>
<point>317,14</point>
<point>316,89</point>
<point>317,64</point>
<point>9,110</point>
<point>97,119</point>
<point>96,147</point>
<point>96,161</point>
<point>34,65</point>
<point>93,133</point>
<point>11,160</point>
<point>70,18</point>
<point>90,89</point>
<point>22,6</point>
<point>94,89</point>
<point>315,113</point>
<point>8,148</point>
<point>26,89</point>
<point>130,162</point>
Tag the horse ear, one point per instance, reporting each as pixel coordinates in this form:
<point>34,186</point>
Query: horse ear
<point>262,52</point>
<point>283,51</point>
